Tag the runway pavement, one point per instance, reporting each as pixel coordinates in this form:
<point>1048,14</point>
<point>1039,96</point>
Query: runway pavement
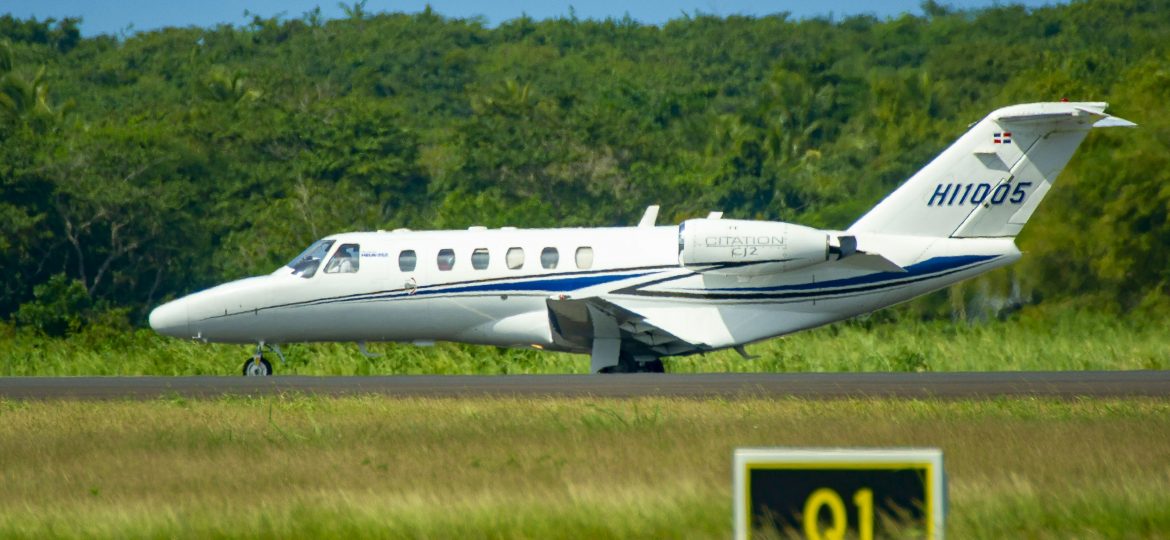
<point>1067,384</point>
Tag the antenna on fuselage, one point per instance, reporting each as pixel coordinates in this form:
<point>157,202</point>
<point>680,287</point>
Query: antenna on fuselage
<point>650,217</point>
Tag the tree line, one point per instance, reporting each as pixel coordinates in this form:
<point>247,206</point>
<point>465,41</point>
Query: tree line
<point>137,168</point>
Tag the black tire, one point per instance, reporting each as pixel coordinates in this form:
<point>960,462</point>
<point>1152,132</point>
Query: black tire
<point>628,364</point>
<point>254,368</point>
<point>654,366</point>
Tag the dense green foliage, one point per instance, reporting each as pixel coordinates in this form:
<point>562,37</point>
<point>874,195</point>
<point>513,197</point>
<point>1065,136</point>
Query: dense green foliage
<point>148,166</point>
<point>1033,340</point>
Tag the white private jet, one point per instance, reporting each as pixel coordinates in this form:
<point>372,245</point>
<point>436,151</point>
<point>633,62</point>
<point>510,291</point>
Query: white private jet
<point>629,296</point>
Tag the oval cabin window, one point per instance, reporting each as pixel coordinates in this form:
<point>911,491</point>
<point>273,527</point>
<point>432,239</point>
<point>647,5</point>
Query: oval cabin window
<point>549,258</point>
<point>480,258</point>
<point>407,260</point>
<point>584,258</point>
<point>515,258</point>
<point>446,259</point>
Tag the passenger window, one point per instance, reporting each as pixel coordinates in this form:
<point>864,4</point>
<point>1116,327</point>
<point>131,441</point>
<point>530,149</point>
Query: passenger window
<point>549,258</point>
<point>446,259</point>
<point>584,258</point>
<point>407,260</point>
<point>515,258</point>
<point>480,258</point>
<point>345,260</point>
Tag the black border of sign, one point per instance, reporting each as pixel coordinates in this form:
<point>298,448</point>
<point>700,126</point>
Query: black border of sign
<point>929,459</point>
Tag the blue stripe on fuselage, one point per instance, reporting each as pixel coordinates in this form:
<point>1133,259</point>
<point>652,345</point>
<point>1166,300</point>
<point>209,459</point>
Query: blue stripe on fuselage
<point>929,266</point>
<point>552,284</point>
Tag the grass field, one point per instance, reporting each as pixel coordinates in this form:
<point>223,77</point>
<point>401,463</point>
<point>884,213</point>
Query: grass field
<point>1029,341</point>
<point>548,468</point>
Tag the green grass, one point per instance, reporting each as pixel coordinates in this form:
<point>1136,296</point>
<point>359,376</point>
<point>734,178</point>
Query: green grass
<point>295,466</point>
<point>1029,341</point>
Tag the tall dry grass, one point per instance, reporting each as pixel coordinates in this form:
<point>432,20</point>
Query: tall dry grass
<point>548,468</point>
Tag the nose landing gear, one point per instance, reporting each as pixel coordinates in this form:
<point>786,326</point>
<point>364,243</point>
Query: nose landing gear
<point>257,366</point>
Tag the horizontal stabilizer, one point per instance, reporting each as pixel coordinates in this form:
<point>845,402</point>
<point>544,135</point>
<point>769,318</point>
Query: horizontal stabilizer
<point>1091,110</point>
<point>1113,121</point>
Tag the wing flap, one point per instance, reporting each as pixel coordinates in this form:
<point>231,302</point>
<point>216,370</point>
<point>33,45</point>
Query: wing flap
<point>571,320</point>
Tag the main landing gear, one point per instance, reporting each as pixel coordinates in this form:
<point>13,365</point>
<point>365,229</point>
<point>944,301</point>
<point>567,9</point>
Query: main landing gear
<point>257,365</point>
<point>628,363</point>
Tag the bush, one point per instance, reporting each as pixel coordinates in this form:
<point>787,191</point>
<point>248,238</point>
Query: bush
<point>59,307</point>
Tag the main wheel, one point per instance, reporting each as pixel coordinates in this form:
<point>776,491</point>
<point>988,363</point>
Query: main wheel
<point>654,366</point>
<point>257,367</point>
<point>628,363</point>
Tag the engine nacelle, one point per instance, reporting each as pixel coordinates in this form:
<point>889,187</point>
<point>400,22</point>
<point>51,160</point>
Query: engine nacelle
<point>740,247</point>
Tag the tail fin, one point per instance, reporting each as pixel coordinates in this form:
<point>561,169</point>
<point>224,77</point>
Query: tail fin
<point>990,181</point>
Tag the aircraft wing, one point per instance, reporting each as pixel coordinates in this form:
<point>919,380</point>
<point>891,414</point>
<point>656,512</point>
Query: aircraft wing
<point>657,329</point>
<point>577,321</point>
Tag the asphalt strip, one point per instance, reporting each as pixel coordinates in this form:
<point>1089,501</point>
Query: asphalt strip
<point>963,385</point>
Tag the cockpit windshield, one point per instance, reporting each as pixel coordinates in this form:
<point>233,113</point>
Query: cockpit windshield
<point>305,264</point>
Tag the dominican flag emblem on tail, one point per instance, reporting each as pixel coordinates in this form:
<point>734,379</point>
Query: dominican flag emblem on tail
<point>1003,138</point>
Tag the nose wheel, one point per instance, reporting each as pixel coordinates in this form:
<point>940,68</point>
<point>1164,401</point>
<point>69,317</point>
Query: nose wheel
<point>257,366</point>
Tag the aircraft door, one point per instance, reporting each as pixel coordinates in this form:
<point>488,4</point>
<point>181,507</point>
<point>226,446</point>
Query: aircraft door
<point>405,315</point>
<point>408,271</point>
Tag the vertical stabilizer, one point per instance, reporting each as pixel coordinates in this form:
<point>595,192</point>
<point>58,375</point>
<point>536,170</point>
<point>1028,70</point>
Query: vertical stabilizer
<point>988,183</point>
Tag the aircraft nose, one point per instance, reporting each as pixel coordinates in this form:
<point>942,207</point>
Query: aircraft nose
<point>170,319</point>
